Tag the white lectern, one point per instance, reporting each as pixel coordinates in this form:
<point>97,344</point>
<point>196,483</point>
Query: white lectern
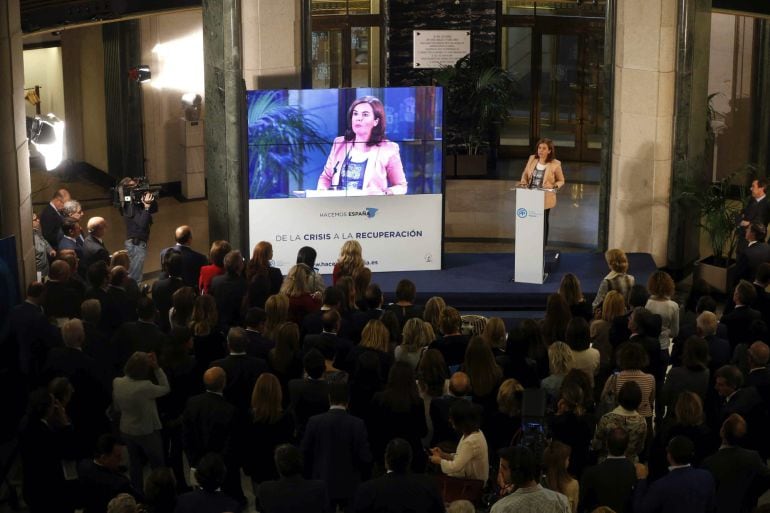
<point>530,219</point>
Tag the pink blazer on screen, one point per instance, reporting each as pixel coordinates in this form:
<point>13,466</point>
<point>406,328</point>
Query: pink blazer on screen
<point>384,172</point>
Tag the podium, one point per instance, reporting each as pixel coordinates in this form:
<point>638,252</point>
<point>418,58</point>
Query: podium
<point>530,219</point>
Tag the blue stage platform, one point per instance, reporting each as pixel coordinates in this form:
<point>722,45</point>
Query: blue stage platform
<point>482,281</point>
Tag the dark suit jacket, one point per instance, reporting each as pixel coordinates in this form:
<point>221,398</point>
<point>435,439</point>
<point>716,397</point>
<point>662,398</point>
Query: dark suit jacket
<point>749,260</point>
<point>162,292</point>
<point>50,225</point>
<point>452,347</point>
<point>192,261</point>
<point>242,373</point>
<point>757,211</point>
<point>228,291</point>
<point>208,425</point>
<point>337,451</point>
<point>399,493</point>
<point>683,490</point>
<point>62,300</point>
<point>342,347</point>
<point>738,324</point>
<point>137,336</point>
<point>307,397</point>
<point>610,483</point>
<point>94,251</point>
<point>201,501</point>
<point>99,485</point>
<point>739,474</point>
<point>259,346</point>
<point>294,494</point>
<point>77,246</point>
<point>439,416</point>
<point>112,312</point>
<point>30,337</point>
<point>652,346</point>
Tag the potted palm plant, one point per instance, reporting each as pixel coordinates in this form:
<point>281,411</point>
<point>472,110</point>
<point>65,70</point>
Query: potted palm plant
<point>478,95</point>
<point>718,214</point>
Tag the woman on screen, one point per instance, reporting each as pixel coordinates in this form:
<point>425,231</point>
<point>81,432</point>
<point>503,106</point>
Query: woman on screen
<point>362,159</point>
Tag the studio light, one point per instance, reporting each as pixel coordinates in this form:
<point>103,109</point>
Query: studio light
<point>47,136</point>
<point>140,74</point>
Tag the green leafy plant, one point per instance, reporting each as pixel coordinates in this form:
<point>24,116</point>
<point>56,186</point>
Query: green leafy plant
<point>279,135</point>
<point>479,95</point>
<point>717,212</point>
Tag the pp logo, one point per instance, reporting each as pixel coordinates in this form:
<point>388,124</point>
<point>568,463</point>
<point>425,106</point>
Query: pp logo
<point>522,213</point>
<point>371,212</point>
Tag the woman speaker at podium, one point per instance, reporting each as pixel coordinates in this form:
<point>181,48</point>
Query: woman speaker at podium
<point>543,171</point>
<point>362,159</point>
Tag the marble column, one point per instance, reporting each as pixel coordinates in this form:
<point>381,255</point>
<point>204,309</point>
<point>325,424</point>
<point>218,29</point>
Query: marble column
<point>643,118</point>
<point>225,122</point>
<point>689,136</point>
<point>15,188</point>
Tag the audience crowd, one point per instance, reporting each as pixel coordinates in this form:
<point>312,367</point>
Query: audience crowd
<point>328,397</point>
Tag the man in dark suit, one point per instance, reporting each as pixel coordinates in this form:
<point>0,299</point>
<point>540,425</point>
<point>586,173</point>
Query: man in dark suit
<point>719,348</point>
<point>399,491</point>
<point>90,399</point>
<point>610,483</point>
<point>292,493</point>
<point>740,474</point>
<point>61,300</point>
<point>258,346</point>
<point>645,330</point>
<point>444,435</point>
<point>683,490</point>
<point>331,321</point>
<point>208,422</point>
<point>101,478</point>
<point>228,290</point>
<point>71,232</point>
<point>739,320</point>
<point>99,281</point>
<point>93,244</point>
<point>51,217</point>
<point>756,252</point>
<point>192,261</point>
<point>164,288</point>
<point>310,395</point>
<point>761,282</point>
<point>30,335</point>
<point>746,402</point>
<point>140,335</point>
<point>336,448</point>
<point>757,210</point>
<point>212,474</point>
<point>758,355</point>
<point>242,370</point>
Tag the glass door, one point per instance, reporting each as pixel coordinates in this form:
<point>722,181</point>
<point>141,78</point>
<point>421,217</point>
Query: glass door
<point>326,59</point>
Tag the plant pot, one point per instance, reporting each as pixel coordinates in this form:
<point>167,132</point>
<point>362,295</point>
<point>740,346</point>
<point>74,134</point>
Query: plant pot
<point>719,277</point>
<point>450,165</point>
<point>471,165</point>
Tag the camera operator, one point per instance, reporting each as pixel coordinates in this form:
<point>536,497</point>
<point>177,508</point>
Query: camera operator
<point>138,218</point>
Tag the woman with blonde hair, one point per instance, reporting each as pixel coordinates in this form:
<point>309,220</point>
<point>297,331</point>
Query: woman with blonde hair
<point>270,427</point>
<point>414,339</point>
<point>505,420</point>
<point>570,290</point>
<point>350,259</point>
<point>276,313</point>
<point>375,340</point>
<point>560,362</point>
<point>302,300</point>
<point>614,306</point>
<point>432,312</point>
<point>617,279</point>
<point>285,359</point>
<point>555,476</point>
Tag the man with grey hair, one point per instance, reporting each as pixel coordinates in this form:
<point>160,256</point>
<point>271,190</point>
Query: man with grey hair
<point>73,209</point>
<point>51,217</point>
<point>757,356</point>
<point>93,245</point>
<point>91,398</point>
<point>719,349</point>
